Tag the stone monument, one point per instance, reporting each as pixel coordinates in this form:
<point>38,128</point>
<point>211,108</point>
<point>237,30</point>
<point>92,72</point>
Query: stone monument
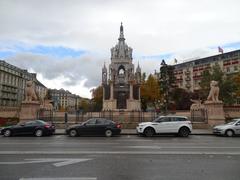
<point>214,106</point>
<point>121,88</point>
<point>30,106</point>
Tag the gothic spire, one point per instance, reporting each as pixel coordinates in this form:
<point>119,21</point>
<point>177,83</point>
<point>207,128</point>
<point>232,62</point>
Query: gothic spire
<point>121,36</point>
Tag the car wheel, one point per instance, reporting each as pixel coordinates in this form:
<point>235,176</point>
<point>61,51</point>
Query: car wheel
<point>38,133</point>
<point>149,132</point>
<point>73,133</point>
<point>184,132</point>
<point>7,133</point>
<point>229,133</point>
<point>108,133</point>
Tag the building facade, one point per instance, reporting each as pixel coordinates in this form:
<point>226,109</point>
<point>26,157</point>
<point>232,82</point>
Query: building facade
<point>121,87</point>
<point>12,84</point>
<point>64,100</point>
<point>188,74</point>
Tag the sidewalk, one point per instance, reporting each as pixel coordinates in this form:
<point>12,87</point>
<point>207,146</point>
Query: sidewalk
<point>133,132</point>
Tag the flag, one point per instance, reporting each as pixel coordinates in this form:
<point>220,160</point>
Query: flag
<point>175,61</point>
<point>220,49</point>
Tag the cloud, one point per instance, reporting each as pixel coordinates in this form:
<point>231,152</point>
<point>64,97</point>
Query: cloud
<point>68,41</point>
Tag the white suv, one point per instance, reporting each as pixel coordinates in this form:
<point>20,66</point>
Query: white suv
<point>166,125</point>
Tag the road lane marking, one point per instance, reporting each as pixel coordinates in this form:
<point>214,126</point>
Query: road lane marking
<point>59,162</point>
<point>65,178</point>
<point>169,152</point>
<point>181,147</point>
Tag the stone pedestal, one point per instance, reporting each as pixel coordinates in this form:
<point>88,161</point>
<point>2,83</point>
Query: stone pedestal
<point>133,105</point>
<point>29,110</point>
<point>215,112</point>
<point>109,105</point>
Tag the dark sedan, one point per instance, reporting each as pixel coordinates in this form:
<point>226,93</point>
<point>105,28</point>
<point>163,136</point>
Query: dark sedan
<point>36,127</point>
<point>95,126</point>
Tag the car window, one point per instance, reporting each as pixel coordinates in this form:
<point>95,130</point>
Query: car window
<point>180,119</point>
<point>91,122</point>
<point>232,122</point>
<point>165,119</point>
<point>100,121</point>
<point>30,123</point>
<point>157,120</point>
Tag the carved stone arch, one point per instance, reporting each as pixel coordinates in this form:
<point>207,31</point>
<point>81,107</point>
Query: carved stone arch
<point>121,70</point>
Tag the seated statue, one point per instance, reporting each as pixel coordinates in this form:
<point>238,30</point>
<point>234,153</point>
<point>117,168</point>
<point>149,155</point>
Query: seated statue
<point>30,94</point>
<point>214,92</point>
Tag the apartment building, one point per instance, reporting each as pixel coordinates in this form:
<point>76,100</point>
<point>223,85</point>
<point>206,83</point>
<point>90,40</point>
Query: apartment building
<point>188,74</point>
<point>65,100</point>
<point>13,82</point>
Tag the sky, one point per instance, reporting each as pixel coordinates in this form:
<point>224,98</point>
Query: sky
<point>66,42</point>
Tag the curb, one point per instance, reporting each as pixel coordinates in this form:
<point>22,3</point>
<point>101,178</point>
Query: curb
<point>135,134</point>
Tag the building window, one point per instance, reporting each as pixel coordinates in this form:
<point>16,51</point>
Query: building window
<point>228,69</point>
<point>235,68</point>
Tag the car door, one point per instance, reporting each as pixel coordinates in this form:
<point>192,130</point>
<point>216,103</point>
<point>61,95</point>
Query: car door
<point>237,127</point>
<point>29,127</point>
<point>163,125</point>
<point>19,128</point>
<point>89,127</point>
<point>100,126</point>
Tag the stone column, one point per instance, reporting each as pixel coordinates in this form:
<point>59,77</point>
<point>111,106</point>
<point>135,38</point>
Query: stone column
<point>111,91</point>
<point>139,93</point>
<point>131,91</point>
<point>103,93</point>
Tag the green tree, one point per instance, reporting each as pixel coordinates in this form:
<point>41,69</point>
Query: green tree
<point>226,84</point>
<point>236,80</point>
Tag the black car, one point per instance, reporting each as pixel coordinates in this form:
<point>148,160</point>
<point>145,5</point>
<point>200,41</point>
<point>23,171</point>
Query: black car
<point>95,126</point>
<point>35,127</point>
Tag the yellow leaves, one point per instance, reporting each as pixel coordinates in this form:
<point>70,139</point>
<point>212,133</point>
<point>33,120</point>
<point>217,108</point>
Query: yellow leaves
<point>150,89</point>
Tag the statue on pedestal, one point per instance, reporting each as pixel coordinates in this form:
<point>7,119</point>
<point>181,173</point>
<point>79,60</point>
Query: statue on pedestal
<point>30,94</point>
<point>214,92</point>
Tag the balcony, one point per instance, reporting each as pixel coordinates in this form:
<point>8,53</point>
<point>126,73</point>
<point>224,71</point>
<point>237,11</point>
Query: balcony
<point>188,85</point>
<point>187,79</point>
<point>187,72</point>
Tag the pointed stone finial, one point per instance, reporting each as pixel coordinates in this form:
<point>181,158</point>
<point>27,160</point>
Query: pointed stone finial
<point>121,36</point>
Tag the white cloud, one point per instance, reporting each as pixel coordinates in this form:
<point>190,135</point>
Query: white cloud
<point>184,28</point>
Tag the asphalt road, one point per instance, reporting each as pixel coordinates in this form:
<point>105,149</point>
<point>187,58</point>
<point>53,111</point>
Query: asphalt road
<point>120,158</point>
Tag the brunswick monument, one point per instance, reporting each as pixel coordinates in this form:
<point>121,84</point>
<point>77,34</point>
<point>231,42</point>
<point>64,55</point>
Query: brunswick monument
<point>121,86</point>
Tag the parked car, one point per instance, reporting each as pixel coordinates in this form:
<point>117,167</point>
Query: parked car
<point>95,126</point>
<point>179,125</point>
<point>230,129</point>
<point>35,127</point>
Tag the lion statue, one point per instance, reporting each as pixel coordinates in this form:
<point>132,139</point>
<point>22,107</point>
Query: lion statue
<point>214,92</point>
<point>197,105</point>
<point>30,94</point>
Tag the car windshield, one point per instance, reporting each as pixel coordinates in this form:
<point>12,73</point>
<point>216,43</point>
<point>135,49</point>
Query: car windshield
<point>157,119</point>
<point>232,122</point>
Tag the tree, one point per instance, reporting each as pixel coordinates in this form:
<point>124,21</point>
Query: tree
<point>236,80</point>
<point>167,83</point>
<point>182,98</point>
<point>97,98</point>
<point>150,93</point>
<point>226,84</point>
<point>84,105</point>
